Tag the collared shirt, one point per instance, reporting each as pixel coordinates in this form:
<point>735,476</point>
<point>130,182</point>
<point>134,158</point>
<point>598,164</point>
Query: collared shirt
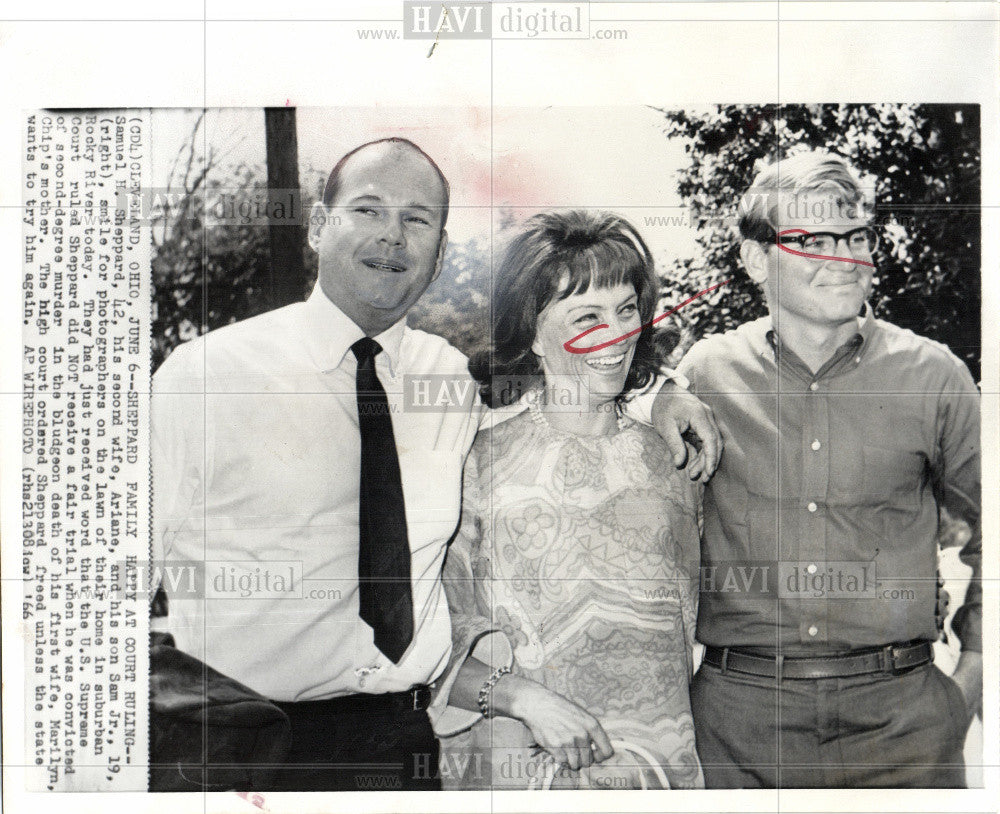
<point>821,521</point>
<point>256,455</point>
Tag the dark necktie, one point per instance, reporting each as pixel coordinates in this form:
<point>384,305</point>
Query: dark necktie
<point>384,590</point>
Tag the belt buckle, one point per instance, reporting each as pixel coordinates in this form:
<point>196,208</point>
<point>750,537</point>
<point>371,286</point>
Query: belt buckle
<point>886,660</point>
<point>909,663</point>
<point>416,695</point>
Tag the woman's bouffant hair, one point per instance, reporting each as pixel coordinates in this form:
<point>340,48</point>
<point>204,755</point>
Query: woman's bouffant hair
<point>556,255</point>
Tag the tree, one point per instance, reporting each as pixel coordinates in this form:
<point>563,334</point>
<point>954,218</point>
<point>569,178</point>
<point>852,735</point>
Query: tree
<point>287,276</point>
<point>206,273</point>
<point>212,249</point>
<point>924,163</point>
<point>457,304</point>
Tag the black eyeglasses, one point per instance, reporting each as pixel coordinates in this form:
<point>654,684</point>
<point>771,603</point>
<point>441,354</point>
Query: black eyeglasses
<point>859,241</point>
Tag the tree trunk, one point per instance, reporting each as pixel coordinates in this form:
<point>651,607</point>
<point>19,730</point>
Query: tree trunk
<point>287,274</point>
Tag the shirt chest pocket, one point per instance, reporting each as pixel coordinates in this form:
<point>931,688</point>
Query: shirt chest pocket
<point>432,490</point>
<point>890,471</point>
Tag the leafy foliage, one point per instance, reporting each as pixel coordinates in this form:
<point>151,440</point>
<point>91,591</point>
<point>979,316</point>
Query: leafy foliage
<point>210,271</point>
<point>924,164</point>
<point>457,304</point>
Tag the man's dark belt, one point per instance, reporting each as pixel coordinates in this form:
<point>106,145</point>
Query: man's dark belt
<point>893,658</point>
<point>419,698</point>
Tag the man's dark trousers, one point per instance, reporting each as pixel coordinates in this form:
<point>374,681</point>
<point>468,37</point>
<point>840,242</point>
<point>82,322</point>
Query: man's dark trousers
<point>359,750</point>
<point>876,730</point>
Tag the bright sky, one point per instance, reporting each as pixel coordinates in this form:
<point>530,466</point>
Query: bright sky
<point>523,158</point>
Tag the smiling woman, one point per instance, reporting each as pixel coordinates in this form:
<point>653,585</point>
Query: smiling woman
<point>579,539</point>
<point>564,273</point>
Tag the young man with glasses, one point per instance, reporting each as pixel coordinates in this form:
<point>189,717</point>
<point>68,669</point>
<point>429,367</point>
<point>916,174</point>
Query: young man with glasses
<point>845,436</point>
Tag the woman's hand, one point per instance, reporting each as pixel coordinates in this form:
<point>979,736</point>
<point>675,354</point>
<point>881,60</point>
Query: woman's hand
<point>566,731</point>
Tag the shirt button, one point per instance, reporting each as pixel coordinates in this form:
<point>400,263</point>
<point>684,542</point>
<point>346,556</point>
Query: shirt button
<point>813,630</point>
<point>814,386</point>
<point>816,444</point>
<point>811,568</point>
<point>857,360</point>
<point>812,507</point>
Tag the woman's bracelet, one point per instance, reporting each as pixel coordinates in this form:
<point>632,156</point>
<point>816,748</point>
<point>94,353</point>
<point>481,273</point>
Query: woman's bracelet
<point>486,691</point>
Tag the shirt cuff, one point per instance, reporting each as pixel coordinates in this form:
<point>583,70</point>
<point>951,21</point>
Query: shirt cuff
<point>639,407</point>
<point>677,378</point>
<point>492,648</point>
<point>497,415</point>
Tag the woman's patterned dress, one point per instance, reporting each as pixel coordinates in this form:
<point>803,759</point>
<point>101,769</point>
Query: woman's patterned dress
<point>583,551</point>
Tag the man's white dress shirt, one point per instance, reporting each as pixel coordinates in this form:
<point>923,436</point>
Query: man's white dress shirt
<point>256,461</point>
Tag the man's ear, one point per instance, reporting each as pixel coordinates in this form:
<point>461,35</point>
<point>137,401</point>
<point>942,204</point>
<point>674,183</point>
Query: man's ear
<point>317,223</point>
<point>442,245</point>
<point>754,257</point>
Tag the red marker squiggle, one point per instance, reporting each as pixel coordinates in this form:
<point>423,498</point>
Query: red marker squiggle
<point>569,345</point>
<point>785,248</point>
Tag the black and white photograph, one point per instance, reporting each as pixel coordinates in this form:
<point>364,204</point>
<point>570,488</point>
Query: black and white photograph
<point>626,449</point>
<point>568,553</point>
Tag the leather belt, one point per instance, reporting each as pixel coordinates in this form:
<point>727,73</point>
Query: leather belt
<point>414,700</point>
<point>893,658</point>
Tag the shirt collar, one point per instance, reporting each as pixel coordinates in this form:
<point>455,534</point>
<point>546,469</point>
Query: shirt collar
<point>860,340</point>
<point>866,328</point>
<point>330,334</point>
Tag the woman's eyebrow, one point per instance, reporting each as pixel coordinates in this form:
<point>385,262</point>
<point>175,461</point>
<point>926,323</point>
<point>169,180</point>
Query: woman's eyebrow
<point>598,306</point>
